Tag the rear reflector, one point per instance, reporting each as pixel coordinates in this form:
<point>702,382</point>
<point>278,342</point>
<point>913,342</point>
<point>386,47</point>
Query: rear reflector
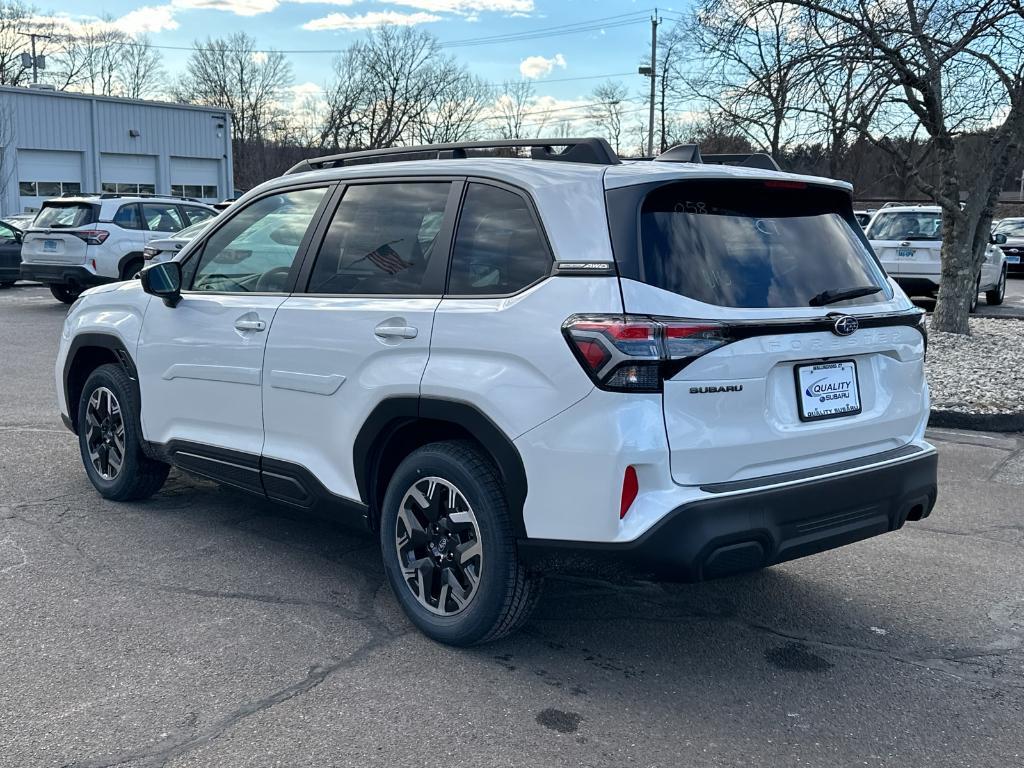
<point>630,488</point>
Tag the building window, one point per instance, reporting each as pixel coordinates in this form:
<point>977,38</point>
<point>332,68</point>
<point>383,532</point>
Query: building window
<point>147,189</point>
<point>123,188</point>
<point>194,190</point>
<point>49,188</point>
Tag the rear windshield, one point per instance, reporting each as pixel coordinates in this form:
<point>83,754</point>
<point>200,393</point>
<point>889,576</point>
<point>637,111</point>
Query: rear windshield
<point>754,244</point>
<point>906,225</point>
<point>65,215</point>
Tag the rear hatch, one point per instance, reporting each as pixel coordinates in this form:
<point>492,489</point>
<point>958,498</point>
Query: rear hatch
<point>764,375</point>
<point>62,233</point>
<point>909,243</point>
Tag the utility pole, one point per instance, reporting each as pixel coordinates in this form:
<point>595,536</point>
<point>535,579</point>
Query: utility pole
<point>37,62</point>
<point>654,75</point>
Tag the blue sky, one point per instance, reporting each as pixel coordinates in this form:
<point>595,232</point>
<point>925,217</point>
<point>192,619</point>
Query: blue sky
<point>613,45</point>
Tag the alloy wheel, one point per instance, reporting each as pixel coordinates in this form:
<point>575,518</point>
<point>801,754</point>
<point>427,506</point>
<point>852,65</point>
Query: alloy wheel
<point>105,433</point>
<point>437,539</point>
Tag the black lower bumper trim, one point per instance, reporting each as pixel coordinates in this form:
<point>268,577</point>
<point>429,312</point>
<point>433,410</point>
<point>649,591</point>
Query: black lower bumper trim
<point>62,274</point>
<point>722,535</point>
<point>918,286</point>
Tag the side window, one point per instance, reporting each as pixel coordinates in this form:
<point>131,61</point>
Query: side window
<point>6,233</point>
<point>254,251</point>
<point>127,217</point>
<point>195,215</point>
<point>381,239</point>
<point>162,217</point>
<point>498,248</point>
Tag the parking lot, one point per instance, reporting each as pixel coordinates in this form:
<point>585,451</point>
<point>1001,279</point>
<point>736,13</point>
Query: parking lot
<point>204,627</point>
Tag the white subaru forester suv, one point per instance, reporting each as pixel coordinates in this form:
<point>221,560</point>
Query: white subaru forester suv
<point>500,365</point>
<point>85,240</point>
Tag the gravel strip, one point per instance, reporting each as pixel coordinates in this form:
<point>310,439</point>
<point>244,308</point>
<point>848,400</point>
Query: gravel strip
<point>978,374</point>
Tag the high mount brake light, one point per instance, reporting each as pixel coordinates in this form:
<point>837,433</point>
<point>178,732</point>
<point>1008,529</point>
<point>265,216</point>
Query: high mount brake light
<point>91,236</point>
<point>635,353</point>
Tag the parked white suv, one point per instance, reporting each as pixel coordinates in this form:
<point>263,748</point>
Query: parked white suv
<point>688,369</point>
<point>85,240</point>
<point>908,240</point>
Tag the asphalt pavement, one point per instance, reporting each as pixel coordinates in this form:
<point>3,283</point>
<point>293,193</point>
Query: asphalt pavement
<point>206,628</point>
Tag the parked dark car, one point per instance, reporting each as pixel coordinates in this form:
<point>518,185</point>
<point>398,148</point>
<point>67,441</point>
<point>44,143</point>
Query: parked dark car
<point>10,254</point>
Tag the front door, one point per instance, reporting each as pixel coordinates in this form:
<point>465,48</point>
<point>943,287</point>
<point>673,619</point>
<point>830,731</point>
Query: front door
<point>360,332</point>
<point>201,362</point>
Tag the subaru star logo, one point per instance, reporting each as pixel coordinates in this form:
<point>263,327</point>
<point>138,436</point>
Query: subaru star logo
<point>845,325</point>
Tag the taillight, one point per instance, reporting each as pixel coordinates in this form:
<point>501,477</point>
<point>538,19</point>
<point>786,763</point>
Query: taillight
<point>91,236</point>
<point>635,353</point>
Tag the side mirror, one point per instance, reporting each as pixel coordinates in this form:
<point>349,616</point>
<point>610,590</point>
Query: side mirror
<point>18,236</point>
<point>999,239</point>
<point>163,280</point>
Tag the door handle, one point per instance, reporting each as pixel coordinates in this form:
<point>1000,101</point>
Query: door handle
<point>396,331</point>
<point>250,325</point>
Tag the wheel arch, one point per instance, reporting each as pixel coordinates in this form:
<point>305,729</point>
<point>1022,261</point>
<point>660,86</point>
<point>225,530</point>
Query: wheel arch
<point>87,352</point>
<point>129,257</point>
<point>399,425</point>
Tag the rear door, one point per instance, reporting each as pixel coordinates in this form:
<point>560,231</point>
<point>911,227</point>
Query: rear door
<point>51,240</point>
<point>357,330</point>
<point>784,386</point>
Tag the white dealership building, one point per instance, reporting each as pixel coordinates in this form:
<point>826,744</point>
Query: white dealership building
<point>54,143</point>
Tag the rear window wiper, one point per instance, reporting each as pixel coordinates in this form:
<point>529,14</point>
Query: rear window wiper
<point>831,297</point>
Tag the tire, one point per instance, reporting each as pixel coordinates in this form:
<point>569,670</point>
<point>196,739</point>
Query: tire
<point>131,268</point>
<point>974,297</point>
<point>995,297</point>
<point>504,592</point>
<point>136,476</point>
<point>64,293</point>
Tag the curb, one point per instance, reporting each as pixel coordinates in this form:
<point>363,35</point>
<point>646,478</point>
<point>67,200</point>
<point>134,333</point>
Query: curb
<point>982,422</point>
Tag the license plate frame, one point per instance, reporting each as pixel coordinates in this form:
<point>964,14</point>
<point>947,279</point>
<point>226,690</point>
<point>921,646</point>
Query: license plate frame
<point>50,245</point>
<point>904,253</point>
<point>820,366</point>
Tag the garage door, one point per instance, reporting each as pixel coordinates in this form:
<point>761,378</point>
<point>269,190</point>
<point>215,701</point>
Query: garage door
<point>128,174</point>
<point>43,174</point>
<point>196,177</point>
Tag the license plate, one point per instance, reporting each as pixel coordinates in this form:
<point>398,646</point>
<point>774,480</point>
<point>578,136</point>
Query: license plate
<point>49,246</point>
<point>904,253</point>
<point>1013,259</point>
<point>827,390</point>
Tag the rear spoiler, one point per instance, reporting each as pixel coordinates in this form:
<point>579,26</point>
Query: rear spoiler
<point>690,153</point>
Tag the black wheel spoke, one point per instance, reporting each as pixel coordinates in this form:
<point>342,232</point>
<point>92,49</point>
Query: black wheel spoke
<point>105,433</point>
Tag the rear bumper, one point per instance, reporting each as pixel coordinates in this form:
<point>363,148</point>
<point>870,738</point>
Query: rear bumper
<point>61,274</point>
<point>730,531</point>
<point>918,286</point>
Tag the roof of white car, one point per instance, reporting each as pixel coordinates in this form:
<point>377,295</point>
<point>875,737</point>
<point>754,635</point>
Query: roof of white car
<point>910,209</point>
<point>532,174</point>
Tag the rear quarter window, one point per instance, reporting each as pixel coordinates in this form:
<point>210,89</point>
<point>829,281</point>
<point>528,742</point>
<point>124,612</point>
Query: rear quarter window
<point>752,244</point>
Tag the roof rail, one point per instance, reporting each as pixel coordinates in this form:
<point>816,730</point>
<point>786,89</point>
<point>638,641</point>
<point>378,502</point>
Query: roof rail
<point>115,195</point>
<point>690,153</point>
<point>595,151</point>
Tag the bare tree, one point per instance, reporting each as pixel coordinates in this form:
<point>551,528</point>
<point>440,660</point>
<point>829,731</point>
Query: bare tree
<point>607,110</point>
<point>512,107</point>
<point>946,69</point>
<point>231,73</point>
<point>139,72</point>
<point>17,19</point>
<point>455,111</point>
<point>752,56</point>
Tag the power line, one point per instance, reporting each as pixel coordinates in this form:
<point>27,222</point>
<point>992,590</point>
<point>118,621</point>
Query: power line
<point>620,20</point>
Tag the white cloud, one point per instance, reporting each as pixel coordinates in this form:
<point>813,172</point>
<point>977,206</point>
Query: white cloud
<point>368,20</point>
<point>237,7</point>
<point>534,67</point>
<point>148,18</point>
<point>466,7</point>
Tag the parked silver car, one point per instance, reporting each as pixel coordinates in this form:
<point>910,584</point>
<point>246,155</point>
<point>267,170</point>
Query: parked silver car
<point>1013,230</point>
<point>165,248</point>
